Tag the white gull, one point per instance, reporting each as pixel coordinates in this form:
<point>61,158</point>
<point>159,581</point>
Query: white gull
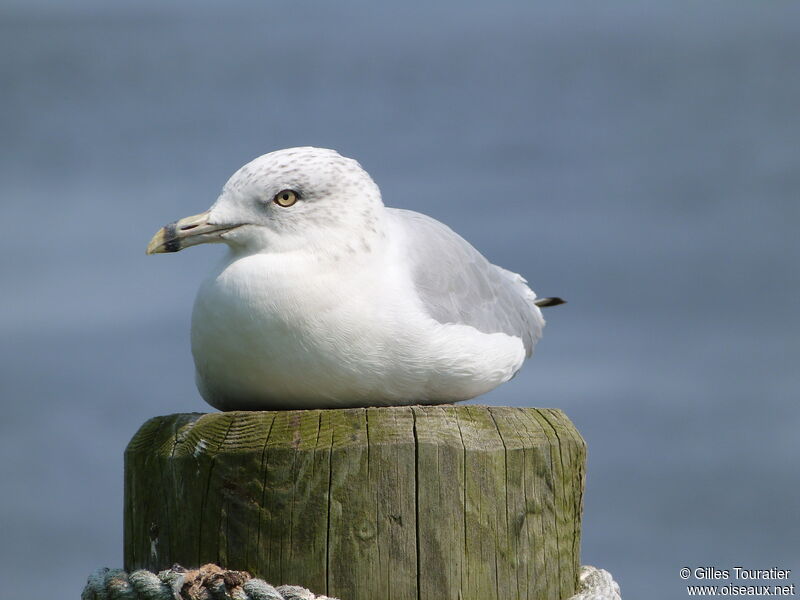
<point>327,298</point>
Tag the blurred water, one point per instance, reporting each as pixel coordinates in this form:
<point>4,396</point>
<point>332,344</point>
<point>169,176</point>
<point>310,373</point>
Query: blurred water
<point>638,159</point>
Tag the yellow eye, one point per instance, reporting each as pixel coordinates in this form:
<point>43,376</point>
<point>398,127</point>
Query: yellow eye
<point>285,198</point>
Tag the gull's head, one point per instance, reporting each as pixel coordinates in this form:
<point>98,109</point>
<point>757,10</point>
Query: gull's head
<point>283,201</point>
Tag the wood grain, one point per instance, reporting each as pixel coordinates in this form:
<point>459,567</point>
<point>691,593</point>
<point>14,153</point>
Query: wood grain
<point>404,503</point>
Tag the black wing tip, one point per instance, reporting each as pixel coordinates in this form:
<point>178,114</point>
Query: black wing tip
<point>546,302</point>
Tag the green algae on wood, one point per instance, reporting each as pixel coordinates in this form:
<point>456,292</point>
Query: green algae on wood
<point>448,502</point>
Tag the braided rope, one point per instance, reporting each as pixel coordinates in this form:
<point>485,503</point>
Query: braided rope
<point>596,584</point>
<point>210,582</point>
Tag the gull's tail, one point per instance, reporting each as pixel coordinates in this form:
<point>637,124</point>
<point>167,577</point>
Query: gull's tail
<point>545,302</point>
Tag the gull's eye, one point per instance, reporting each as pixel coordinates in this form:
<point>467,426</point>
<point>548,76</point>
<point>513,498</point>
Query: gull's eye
<point>285,198</point>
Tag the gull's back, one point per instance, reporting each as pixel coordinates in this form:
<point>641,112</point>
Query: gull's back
<point>456,284</point>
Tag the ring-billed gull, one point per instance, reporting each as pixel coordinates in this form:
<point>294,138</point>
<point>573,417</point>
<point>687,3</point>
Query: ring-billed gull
<point>327,298</point>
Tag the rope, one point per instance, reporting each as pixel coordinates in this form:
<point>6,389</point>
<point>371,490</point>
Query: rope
<point>596,584</point>
<point>210,582</point>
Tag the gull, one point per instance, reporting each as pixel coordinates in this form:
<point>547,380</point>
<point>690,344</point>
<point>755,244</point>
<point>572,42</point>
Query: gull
<point>327,299</point>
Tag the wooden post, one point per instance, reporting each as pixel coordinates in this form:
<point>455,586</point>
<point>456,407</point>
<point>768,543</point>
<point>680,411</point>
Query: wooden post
<point>409,503</point>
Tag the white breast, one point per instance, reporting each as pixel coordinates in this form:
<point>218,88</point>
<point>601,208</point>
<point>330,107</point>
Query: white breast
<point>283,331</point>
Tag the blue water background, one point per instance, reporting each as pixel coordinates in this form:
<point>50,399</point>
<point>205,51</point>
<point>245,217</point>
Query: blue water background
<point>641,159</point>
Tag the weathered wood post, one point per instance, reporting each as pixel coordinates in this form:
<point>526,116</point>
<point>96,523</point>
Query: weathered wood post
<point>423,502</point>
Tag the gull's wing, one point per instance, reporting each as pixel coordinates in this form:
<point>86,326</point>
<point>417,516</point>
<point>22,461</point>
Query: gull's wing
<point>458,285</point>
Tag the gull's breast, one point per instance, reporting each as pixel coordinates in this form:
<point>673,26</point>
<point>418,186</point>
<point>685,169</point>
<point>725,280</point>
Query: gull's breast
<point>268,335</point>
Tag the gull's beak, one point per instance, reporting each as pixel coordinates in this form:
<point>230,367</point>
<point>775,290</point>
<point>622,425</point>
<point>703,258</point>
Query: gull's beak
<point>186,232</point>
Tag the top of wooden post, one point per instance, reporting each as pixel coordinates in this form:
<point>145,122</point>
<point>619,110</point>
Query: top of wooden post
<point>458,425</point>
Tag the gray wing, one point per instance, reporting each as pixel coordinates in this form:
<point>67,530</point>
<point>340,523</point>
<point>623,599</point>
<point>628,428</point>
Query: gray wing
<point>458,285</point>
